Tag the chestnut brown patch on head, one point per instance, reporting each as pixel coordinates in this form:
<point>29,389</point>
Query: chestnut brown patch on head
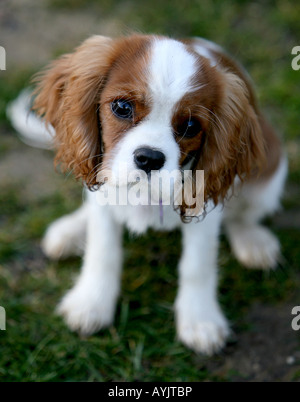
<point>69,95</point>
<point>230,142</point>
<point>195,111</point>
<point>127,82</point>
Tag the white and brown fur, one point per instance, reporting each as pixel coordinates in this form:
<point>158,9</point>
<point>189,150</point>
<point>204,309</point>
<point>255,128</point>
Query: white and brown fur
<point>167,81</point>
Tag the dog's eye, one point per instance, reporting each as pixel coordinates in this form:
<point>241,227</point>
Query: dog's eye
<point>189,128</point>
<point>122,109</point>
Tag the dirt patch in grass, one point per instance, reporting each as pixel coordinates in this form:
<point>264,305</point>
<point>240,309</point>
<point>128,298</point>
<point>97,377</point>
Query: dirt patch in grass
<point>267,351</point>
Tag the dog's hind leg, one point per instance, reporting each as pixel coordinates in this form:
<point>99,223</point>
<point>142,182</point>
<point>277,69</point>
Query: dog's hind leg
<point>253,244</point>
<point>67,235</point>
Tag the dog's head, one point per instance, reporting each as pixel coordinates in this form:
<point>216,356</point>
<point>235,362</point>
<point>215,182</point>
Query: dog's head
<point>151,103</point>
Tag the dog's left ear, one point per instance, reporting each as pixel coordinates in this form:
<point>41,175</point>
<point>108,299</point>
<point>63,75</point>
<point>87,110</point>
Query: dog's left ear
<point>234,144</point>
<point>68,93</point>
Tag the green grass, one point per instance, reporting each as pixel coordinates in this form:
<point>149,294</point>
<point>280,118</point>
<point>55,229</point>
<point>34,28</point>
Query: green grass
<point>141,346</point>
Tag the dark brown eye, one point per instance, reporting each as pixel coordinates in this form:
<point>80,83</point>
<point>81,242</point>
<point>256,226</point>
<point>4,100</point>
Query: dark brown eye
<point>122,109</point>
<point>189,128</point>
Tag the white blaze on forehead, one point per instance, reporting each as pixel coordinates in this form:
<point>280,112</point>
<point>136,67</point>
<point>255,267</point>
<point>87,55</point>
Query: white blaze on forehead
<point>172,68</point>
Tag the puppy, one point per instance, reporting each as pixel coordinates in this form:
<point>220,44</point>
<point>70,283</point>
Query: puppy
<point>149,104</point>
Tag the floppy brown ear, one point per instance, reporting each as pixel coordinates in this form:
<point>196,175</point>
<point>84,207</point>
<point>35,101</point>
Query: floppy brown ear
<point>67,97</point>
<point>234,144</point>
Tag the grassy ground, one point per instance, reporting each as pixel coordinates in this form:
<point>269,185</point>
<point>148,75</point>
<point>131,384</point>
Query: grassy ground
<point>36,345</point>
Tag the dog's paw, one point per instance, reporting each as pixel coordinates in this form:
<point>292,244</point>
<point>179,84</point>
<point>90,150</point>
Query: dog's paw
<point>206,337</point>
<point>87,309</point>
<point>200,323</point>
<point>62,240</point>
<point>255,247</point>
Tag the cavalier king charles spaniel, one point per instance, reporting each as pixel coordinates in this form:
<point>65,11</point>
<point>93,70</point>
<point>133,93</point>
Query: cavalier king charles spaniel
<point>146,104</point>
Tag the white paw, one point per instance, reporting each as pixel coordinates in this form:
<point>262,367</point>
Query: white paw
<point>88,307</point>
<point>201,325</point>
<point>255,247</point>
<point>206,337</point>
<point>62,239</point>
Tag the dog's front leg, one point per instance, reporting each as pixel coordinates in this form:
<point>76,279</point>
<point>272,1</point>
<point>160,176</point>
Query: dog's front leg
<point>90,304</point>
<point>200,323</point>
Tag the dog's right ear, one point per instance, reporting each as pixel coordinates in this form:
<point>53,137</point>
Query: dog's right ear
<point>67,97</point>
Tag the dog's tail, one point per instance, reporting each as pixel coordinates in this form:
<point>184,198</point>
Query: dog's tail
<point>30,128</point>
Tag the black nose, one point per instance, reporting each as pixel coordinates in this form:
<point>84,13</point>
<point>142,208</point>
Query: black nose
<point>149,159</point>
